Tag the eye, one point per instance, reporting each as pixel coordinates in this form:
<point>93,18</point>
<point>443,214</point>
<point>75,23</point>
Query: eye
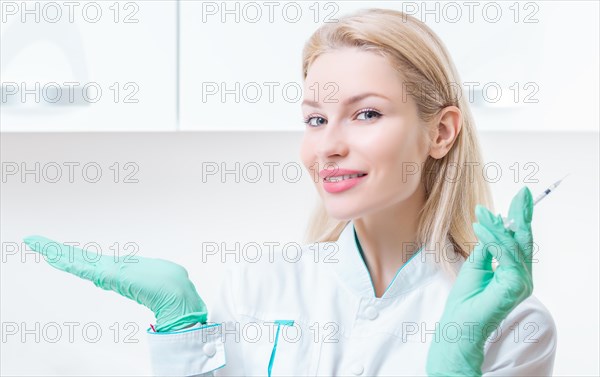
<point>309,121</point>
<point>369,114</point>
<point>315,121</point>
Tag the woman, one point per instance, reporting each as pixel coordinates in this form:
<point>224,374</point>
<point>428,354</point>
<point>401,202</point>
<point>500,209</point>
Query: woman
<point>400,280</point>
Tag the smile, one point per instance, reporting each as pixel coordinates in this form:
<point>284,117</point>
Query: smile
<point>341,183</point>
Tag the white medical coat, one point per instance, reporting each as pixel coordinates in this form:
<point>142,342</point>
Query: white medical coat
<point>339,327</point>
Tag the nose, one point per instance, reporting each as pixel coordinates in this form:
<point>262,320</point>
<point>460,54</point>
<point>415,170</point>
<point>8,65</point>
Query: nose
<point>332,143</point>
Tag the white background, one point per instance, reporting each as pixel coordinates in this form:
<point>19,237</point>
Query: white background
<point>170,211</point>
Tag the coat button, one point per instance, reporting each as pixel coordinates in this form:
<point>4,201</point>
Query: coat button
<point>209,349</point>
<point>357,369</point>
<point>371,313</point>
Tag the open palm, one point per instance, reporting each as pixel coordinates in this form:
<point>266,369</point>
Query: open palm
<point>160,285</point>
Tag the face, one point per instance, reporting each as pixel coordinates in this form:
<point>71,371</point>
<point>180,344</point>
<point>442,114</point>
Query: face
<point>379,134</point>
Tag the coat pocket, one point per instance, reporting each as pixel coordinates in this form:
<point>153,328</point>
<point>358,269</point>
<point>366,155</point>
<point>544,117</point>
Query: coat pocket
<point>279,346</point>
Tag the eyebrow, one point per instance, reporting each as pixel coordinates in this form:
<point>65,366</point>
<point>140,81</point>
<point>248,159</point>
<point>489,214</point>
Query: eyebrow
<point>349,101</point>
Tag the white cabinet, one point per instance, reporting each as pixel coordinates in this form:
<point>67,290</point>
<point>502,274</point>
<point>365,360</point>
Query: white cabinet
<point>532,66</point>
<point>88,66</point>
<point>214,65</point>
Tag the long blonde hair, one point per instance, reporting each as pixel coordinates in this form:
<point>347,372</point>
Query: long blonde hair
<point>419,55</point>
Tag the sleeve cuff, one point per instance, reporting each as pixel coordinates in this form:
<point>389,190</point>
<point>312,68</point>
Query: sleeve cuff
<point>187,352</point>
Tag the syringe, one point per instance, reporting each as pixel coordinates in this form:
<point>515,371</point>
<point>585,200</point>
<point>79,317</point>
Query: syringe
<point>509,224</point>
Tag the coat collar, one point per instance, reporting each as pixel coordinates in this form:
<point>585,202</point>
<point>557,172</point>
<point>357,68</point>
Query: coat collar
<point>352,270</point>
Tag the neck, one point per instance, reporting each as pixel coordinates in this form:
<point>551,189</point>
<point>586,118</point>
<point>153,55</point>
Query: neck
<point>388,238</point>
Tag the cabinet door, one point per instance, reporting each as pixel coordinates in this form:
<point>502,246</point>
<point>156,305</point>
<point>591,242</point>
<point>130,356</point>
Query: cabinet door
<point>530,66</point>
<point>241,63</point>
<point>88,66</point>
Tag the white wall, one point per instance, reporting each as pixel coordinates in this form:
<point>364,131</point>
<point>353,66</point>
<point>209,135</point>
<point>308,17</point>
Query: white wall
<point>169,212</point>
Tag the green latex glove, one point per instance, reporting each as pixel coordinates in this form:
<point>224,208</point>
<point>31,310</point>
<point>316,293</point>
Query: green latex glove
<point>483,296</point>
<point>158,284</point>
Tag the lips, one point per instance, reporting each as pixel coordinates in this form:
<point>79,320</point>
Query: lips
<point>342,183</point>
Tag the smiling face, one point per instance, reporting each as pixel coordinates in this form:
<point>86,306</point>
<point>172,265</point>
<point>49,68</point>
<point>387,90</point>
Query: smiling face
<point>378,134</point>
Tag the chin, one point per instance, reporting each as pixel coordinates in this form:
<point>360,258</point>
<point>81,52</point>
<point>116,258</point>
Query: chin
<point>341,214</point>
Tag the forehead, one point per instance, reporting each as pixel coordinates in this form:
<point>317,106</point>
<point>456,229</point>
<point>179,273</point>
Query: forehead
<point>350,71</point>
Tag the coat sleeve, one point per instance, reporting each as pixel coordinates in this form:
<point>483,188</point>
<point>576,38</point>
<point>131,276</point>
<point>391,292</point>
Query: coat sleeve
<point>524,344</point>
<point>199,350</point>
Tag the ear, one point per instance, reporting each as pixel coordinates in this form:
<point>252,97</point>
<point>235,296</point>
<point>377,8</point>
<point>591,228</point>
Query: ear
<point>445,131</point>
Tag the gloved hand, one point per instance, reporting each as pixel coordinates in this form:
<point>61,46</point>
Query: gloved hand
<point>483,296</point>
<point>158,284</point>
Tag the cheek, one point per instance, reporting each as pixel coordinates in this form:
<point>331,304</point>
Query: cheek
<point>397,161</point>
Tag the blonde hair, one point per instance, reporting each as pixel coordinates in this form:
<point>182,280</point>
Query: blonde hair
<point>421,58</point>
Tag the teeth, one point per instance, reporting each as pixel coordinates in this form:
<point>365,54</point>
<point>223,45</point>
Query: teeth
<point>343,177</point>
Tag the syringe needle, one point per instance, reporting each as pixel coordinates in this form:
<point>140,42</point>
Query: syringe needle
<point>548,190</point>
<point>509,224</point>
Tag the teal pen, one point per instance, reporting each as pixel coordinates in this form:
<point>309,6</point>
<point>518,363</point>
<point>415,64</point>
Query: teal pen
<point>508,224</point>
